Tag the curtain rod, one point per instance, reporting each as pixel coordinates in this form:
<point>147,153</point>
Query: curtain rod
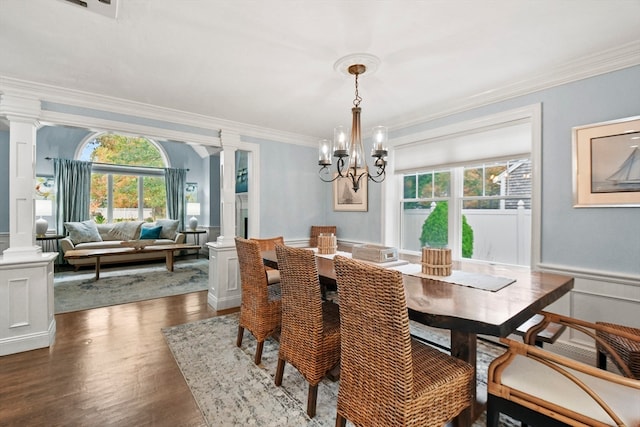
<point>120,166</point>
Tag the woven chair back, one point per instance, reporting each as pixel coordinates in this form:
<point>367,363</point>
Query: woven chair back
<point>269,244</point>
<point>253,279</point>
<point>301,300</point>
<point>316,230</point>
<point>374,325</point>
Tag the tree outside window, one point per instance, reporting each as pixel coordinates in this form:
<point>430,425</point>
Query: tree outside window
<point>123,192</point>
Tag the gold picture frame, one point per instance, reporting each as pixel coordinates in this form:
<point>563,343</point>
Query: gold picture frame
<point>606,164</point>
<point>347,200</point>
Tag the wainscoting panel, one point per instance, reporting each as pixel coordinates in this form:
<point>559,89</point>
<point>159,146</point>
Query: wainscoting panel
<point>18,290</point>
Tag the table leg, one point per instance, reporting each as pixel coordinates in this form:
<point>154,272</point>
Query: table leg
<point>464,347</point>
<point>169,260</point>
<point>97,267</point>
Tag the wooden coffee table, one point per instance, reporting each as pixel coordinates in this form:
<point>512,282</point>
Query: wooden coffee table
<point>101,253</point>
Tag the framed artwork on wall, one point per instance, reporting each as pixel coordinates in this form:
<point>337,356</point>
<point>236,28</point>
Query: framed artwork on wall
<point>606,164</point>
<point>347,200</point>
<point>191,192</point>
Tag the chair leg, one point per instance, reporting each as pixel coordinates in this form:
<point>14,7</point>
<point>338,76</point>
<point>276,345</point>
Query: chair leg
<point>493,415</point>
<point>340,421</point>
<point>258,357</point>
<point>279,372</point>
<point>602,360</point>
<point>240,334</point>
<point>312,398</point>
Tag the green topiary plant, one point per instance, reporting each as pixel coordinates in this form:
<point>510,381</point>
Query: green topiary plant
<point>435,230</point>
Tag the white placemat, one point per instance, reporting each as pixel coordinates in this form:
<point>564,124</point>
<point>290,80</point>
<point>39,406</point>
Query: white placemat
<point>464,278</point>
<point>387,264</point>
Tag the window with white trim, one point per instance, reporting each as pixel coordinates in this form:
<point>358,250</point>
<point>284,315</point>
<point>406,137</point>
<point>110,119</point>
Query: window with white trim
<point>127,178</point>
<point>477,180</point>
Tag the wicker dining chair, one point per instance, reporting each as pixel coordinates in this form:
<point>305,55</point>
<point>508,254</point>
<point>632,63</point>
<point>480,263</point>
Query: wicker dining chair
<point>310,331</point>
<point>316,230</point>
<point>629,351</point>
<point>386,377</point>
<point>261,306</point>
<point>269,244</point>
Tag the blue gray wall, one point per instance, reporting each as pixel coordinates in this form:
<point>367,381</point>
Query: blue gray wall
<point>292,197</point>
<point>605,239</point>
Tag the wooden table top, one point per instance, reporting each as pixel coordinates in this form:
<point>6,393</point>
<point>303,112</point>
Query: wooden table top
<point>462,308</point>
<point>83,253</point>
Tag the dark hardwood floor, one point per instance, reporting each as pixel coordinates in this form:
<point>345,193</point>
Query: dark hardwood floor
<point>108,367</point>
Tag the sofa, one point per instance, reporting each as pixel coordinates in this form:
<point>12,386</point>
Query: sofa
<point>90,235</point>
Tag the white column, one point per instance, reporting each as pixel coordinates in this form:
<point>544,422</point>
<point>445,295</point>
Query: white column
<point>26,274</point>
<point>21,113</point>
<point>230,142</point>
<point>224,277</point>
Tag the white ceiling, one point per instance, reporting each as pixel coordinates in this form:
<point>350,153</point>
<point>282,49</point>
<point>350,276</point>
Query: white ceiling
<point>270,63</point>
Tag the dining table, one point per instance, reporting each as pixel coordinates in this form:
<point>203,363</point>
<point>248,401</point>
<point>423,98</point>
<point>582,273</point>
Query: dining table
<point>468,311</point>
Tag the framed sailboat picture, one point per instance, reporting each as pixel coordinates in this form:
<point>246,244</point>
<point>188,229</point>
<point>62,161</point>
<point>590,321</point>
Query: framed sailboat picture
<point>606,164</point>
<point>345,199</point>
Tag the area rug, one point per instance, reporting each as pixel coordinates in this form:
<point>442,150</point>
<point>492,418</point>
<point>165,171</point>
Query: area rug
<point>231,390</point>
<point>79,290</point>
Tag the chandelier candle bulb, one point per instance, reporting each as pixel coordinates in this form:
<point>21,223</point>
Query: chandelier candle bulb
<point>341,148</point>
<point>379,141</point>
<point>324,152</point>
<point>436,261</point>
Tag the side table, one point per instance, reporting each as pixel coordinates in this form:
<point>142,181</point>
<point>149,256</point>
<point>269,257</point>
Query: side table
<point>50,243</point>
<point>196,237</point>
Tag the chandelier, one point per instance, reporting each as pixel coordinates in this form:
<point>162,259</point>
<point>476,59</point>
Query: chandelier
<point>351,150</point>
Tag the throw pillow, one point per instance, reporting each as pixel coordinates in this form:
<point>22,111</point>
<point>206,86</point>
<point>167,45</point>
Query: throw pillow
<point>169,228</point>
<point>83,232</point>
<point>150,232</point>
<point>125,230</point>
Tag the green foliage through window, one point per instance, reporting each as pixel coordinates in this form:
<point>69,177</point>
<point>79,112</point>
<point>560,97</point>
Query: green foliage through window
<point>435,230</point>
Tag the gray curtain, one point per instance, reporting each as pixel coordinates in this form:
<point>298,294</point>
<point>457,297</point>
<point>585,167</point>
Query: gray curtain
<point>175,182</point>
<point>73,186</point>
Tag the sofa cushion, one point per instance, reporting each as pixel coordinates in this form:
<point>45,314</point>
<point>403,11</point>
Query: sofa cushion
<point>82,232</point>
<point>169,228</point>
<point>150,232</point>
<point>125,230</point>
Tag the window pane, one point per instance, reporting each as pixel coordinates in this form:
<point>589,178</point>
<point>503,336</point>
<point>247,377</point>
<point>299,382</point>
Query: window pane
<point>409,186</point>
<point>98,203</point>
<point>424,223</point>
<point>125,198</point>
<point>425,186</point>
<point>155,198</point>
<point>473,181</point>
<point>499,235</point>
<point>442,184</point>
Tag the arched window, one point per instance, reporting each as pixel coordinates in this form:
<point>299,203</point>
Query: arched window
<point>127,180</point>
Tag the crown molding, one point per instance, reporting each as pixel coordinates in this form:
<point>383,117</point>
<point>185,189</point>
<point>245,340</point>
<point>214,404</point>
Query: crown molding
<point>108,104</point>
<point>624,56</point>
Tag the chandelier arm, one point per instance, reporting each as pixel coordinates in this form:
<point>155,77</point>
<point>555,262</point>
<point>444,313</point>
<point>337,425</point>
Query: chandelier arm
<point>326,180</point>
<point>380,174</point>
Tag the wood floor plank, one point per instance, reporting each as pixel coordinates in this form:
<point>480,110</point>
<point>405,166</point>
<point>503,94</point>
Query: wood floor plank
<point>108,366</point>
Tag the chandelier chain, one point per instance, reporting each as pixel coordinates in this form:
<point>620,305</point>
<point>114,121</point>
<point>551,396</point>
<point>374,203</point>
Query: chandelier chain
<point>357,99</point>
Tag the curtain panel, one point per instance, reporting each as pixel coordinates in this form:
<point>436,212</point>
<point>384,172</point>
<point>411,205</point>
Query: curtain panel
<point>73,184</point>
<point>175,181</point>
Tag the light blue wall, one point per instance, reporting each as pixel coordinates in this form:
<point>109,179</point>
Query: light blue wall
<point>292,197</point>
<point>4,181</point>
<point>605,239</point>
